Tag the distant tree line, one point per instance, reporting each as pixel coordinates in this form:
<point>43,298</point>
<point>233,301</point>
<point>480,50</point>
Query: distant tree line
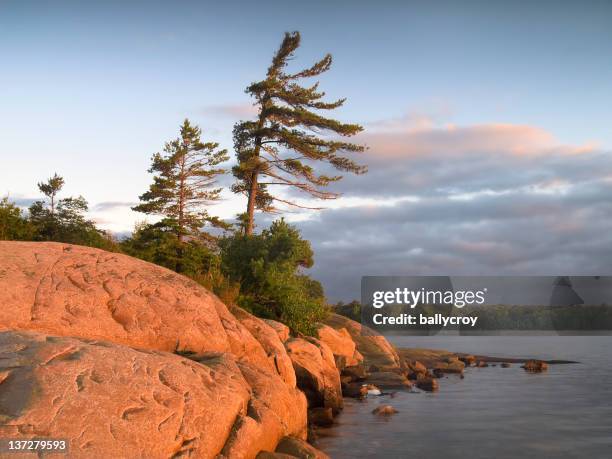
<point>289,146</point>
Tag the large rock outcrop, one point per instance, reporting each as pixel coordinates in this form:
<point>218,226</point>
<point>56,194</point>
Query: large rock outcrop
<point>316,372</point>
<point>341,344</point>
<point>67,290</point>
<point>271,342</point>
<point>126,359</point>
<point>376,350</point>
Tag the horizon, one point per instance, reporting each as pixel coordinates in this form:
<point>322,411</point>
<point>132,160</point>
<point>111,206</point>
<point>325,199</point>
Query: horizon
<point>488,126</point>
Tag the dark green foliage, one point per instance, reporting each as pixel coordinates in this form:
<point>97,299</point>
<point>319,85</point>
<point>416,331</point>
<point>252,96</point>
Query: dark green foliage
<point>282,146</point>
<point>158,243</point>
<point>351,310</point>
<point>64,220</point>
<point>182,187</point>
<point>51,188</point>
<point>14,226</point>
<point>268,268</point>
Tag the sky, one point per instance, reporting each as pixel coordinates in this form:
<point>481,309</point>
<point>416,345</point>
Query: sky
<point>488,124</point>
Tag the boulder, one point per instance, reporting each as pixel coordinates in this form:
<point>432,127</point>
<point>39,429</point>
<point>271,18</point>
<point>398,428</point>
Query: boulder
<point>68,290</point>
<point>384,410</point>
<point>535,366</point>
<point>321,416</point>
<point>110,400</point>
<point>341,344</point>
<point>389,380</point>
<point>355,373</point>
<point>416,366</point>
<point>300,449</point>
<point>374,348</point>
<point>274,410</point>
<point>316,372</point>
<point>270,342</point>
<point>354,390</point>
<point>427,384</point>
<point>195,379</point>
<point>468,360</point>
<point>281,329</point>
<point>437,373</point>
<point>450,365</point>
<point>270,455</point>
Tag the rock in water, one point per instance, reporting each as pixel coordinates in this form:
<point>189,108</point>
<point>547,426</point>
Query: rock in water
<point>384,410</point>
<point>428,384</point>
<point>389,380</point>
<point>299,449</point>
<point>321,416</point>
<point>468,360</point>
<point>535,366</point>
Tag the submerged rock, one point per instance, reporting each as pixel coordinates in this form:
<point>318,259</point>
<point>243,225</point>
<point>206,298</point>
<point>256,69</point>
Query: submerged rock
<point>505,365</point>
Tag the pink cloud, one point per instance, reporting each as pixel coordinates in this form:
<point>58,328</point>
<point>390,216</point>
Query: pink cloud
<point>239,111</point>
<point>415,137</point>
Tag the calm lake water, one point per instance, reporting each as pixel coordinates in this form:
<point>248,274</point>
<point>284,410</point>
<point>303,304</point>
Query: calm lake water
<point>494,412</point>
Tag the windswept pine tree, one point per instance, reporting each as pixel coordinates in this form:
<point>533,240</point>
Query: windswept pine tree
<point>289,136</point>
<point>183,184</point>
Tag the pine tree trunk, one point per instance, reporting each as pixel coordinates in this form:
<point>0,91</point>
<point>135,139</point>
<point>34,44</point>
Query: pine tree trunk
<point>251,205</point>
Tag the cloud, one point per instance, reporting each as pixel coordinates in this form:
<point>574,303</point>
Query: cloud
<point>112,205</point>
<point>235,111</point>
<point>22,202</point>
<point>478,200</point>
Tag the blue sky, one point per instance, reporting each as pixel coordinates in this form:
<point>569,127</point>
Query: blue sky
<point>92,89</point>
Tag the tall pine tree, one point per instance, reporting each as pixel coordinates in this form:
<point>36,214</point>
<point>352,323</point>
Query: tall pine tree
<point>289,136</point>
<point>183,184</point>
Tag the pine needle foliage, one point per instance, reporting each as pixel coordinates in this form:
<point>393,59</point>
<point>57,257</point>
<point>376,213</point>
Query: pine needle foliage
<point>184,183</point>
<point>291,136</point>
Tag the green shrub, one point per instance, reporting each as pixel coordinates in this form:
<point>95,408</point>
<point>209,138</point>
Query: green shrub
<point>268,267</point>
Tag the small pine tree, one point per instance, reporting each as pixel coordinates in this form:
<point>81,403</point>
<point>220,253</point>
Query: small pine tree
<point>182,187</point>
<point>51,188</point>
<point>65,220</point>
<point>284,142</point>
